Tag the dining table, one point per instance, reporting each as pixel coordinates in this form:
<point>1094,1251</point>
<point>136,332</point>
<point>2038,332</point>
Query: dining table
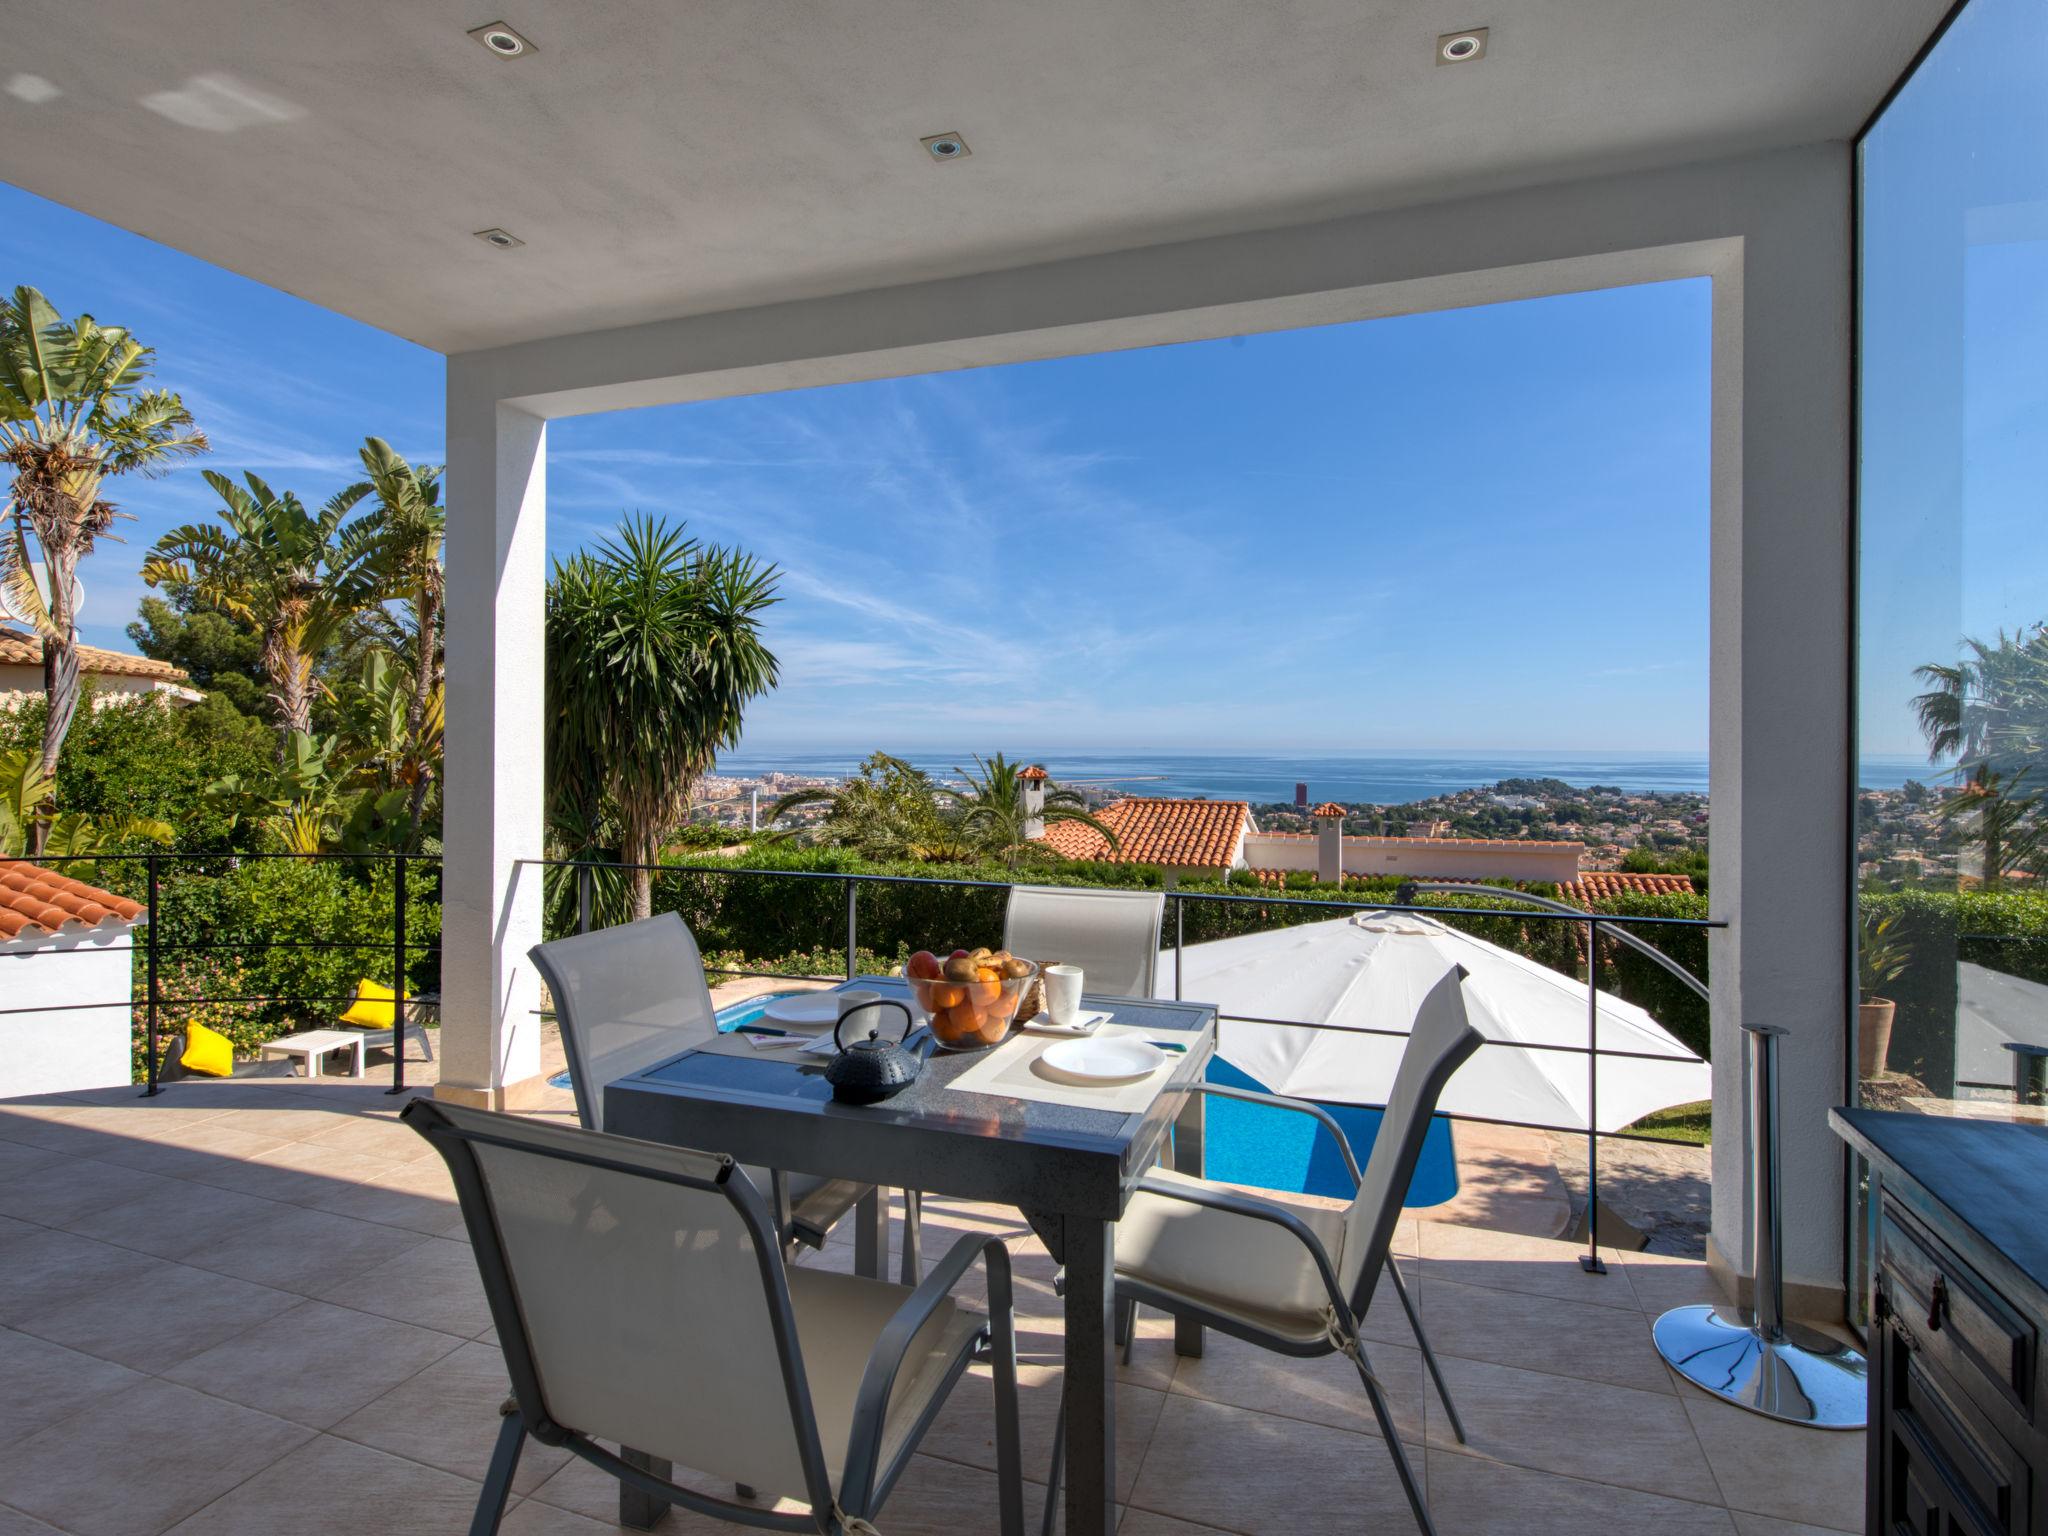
<point>1068,1167</point>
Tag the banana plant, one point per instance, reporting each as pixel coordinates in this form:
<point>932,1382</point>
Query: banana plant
<point>78,840</point>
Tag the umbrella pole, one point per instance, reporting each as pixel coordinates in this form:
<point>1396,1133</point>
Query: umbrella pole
<point>1590,1260</point>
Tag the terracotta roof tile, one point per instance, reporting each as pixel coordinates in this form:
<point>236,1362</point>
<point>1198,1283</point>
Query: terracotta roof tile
<point>1184,833</point>
<point>1596,885</point>
<point>1035,774</point>
<point>22,649</point>
<point>36,900</point>
<point>1330,808</point>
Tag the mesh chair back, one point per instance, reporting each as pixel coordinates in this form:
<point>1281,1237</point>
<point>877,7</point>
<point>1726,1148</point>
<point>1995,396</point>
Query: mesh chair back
<point>1441,1041</point>
<point>626,998</point>
<point>639,1294</point>
<point>1112,935</point>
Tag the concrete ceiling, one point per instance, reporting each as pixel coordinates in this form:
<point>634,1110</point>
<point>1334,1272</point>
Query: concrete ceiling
<point>671,157</point>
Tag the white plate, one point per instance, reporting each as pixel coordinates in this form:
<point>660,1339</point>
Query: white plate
<point>810,1010</point>
<point>1112,1060</point>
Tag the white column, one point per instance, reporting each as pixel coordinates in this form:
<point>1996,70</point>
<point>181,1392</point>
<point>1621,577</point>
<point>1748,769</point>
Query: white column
<point>1779,710</point>
<point>493,817</point>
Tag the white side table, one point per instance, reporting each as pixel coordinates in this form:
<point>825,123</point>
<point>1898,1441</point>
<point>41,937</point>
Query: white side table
<point>316,1043</point>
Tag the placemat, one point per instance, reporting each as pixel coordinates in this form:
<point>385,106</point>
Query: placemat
<point>1012,1069</point>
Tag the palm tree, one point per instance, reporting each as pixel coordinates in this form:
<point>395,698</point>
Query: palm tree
<point>1989,711</point>
<point>991,817</point>
<point>283,569</point>
<point>407,524</point>
<point>73,414</point>
<point>889,809</point>
<point>653,651</point>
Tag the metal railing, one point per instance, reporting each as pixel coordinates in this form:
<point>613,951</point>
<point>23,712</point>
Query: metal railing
<point>1599,928</point>
<point>398,951</point>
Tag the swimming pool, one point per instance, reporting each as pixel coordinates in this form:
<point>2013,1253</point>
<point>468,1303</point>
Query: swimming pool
<point>1253,1143</point>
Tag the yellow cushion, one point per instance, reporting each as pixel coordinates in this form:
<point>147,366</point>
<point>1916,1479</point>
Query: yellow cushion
<point>373,1006</point>
<point>208,1051</point>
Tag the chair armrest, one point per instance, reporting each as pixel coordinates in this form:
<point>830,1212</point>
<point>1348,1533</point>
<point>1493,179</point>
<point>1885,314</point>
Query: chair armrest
<point>871,1405</point>
<point>1299,1106</point>
<point>1259,1210</point>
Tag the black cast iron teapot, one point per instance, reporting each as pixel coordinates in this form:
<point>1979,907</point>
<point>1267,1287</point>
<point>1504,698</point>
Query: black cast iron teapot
<point>871,1070</point>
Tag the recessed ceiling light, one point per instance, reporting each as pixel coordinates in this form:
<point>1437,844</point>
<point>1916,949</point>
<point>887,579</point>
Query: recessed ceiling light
<point>504,240</point>
<point>501,40</point>
<point>946,146</point>
<point>1461,47</point>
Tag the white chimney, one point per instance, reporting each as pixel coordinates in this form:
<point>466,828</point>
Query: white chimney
<point>1329,819</point>
<point>1033,779</point>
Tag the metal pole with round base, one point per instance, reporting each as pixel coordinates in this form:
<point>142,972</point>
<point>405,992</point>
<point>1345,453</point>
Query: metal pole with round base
<point>1754,1358</point>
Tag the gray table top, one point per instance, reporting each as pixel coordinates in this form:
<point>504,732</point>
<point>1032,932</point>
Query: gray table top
<point>775,1110</point>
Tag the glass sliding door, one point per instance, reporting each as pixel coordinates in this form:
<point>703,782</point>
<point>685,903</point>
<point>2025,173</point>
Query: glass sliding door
<point>1951,839</point>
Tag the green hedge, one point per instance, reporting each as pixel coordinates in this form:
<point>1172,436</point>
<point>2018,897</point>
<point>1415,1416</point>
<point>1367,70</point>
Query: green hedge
<point>2004,931</point>
<point>769,921</point>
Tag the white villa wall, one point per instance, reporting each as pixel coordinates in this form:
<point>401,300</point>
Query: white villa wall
<point>19,684</point>
<point>1422,857</point>
<point>1772,230</point>
<point>48,1042</point>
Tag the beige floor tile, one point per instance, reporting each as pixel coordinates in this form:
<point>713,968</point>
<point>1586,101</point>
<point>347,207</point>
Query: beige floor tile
<point>419,1196</point>
<point>336,1486</point>
<point>1324,1391</point>
<point>14,1523</point>
<point>1476,1497</point>
<point>46,1382</point>
<point>18,1161</point>
<point>190,1154</point>
<point>1764,1467</point>
<point>1142,1522</point>
<point>315,1364</point>
<point>1662,1282</point>
<point>1311,1478</point>
<point>1543,1333</point>
<point>434,1285</point>
<point>582,1489</point>
<point>160,1317</point>
<point>44,1268</point>
<point>965,1430</point>
<point>1505,1261</point>
<point>22,1127</point>
<point>447,1417</point>
<point>141,1459</point>
<point>1604,1434</point>
<point>373,1136</point>
<point>11,1226</point>
<point>945,1498</point>
<point>1764,1525</point>
<point>287,1117</point>
<point>176,1218</point>
<point>533,1518</point>
<point>303,1250</point>
<point>56,1197</point>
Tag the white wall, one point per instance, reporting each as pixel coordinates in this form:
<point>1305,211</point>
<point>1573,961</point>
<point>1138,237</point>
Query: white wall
<point>67,1047</point>
<point>1773,232</point>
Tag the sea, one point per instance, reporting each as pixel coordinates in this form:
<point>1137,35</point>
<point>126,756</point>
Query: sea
<point>1382,778</point>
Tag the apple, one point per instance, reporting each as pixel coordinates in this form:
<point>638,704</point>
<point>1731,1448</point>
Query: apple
<point>922,966</point>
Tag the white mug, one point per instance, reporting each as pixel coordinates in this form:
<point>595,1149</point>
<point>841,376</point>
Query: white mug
<point>1062,994</point>
<point>853,1000</point>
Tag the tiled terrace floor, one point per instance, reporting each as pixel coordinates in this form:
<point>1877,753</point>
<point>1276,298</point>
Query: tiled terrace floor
<point>247,1308</point>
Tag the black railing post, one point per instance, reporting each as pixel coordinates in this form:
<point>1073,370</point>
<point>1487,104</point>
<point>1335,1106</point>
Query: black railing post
<point>149,965</point>
<point>852,923</point>
<point>583,898</point>
<point>1590,1260</point>
<point>398,976</point>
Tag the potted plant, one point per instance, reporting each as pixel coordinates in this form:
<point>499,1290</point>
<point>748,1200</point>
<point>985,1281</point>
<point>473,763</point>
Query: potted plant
<point>1882,956</point>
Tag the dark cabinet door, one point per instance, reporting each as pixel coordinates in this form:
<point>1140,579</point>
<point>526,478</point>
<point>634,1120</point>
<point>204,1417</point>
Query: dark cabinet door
<point>1943,1470</point>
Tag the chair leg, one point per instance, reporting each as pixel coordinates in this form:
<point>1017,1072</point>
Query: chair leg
<point>913,1236</point>
<point>1126,1327</point>
<point>490,1504</point>
<point>1392,1436</point>
<point>1428,1355</point>
<point>1059,1461</point>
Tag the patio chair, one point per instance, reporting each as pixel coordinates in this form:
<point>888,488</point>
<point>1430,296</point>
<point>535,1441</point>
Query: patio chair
<point>1297,1279</point>
<point>641,1298</point>
<point>1112,935</point>
<point>633,995</point>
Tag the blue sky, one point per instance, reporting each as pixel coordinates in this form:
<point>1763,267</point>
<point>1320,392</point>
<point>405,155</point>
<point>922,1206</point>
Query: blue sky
<point>1479,529</point>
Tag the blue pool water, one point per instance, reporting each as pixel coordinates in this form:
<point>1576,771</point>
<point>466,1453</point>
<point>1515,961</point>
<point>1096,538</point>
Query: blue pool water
<point>1256,1145</point>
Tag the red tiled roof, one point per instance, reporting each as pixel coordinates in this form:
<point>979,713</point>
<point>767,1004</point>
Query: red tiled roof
<point>1330,808</point>
<point>36,900</point>
<point>1183,833</point>
<point>1596,885</point>
<point>21,649</point>
<point>1035,774</point>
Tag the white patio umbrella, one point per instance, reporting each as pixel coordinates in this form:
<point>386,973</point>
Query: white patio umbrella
<point>1371,970</point>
